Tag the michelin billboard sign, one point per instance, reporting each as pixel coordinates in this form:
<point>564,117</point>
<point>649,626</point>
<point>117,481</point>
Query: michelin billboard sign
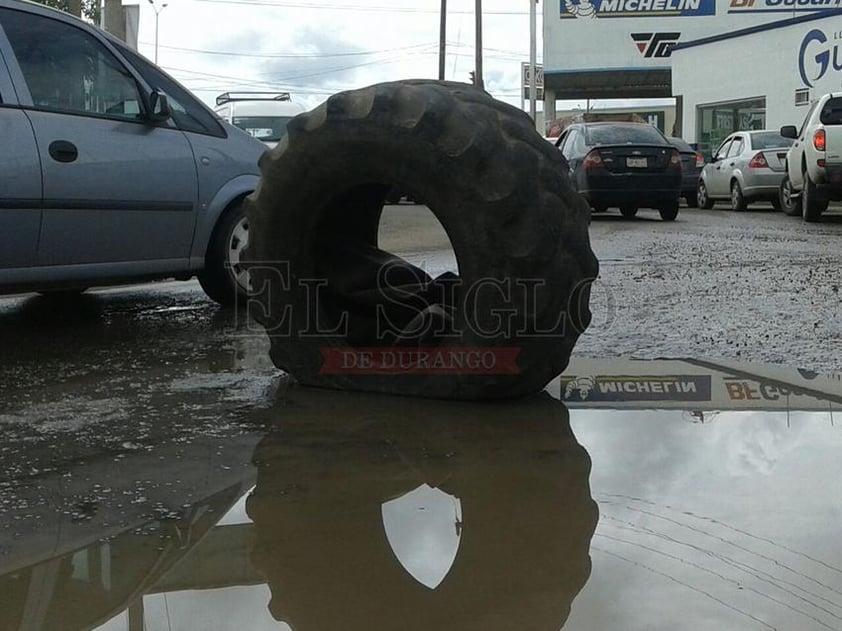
<point>695,385</point>
<point>636,8</point>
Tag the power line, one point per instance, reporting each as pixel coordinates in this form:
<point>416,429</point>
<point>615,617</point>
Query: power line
<point>332,7</point>
<point>511,54</point>
<point>293,77</point>
<point>294,55</point>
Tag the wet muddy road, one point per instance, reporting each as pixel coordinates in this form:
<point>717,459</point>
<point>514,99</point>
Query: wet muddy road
<point>754,286</point>
<point>135,418</point>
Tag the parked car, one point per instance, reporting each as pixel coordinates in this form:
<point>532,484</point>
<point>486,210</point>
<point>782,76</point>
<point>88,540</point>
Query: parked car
<point>692,163</point>
<point>625,165</point>
<point>814,161</point>
<point>111,172</point>
<point>747,167</point>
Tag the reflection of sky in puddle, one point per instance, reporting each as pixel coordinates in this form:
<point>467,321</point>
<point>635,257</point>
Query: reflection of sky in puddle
<point>237,513</point>
<point>733,521</point>
<point>235,608</point>
<point>424,527</point>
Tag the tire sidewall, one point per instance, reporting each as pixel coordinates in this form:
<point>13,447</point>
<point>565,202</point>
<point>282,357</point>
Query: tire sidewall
<point>217,278</point>
<point>737,199</point>
<point>669,212</point>
<point>702,198</point>
<point>793,207</point>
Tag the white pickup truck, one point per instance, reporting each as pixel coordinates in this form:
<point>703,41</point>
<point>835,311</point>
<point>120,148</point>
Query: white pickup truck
<point>814,161</point>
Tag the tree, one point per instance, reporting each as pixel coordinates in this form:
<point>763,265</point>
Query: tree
<point>91,9</point>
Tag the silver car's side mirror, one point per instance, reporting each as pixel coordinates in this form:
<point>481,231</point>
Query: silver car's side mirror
<point>159,107</point>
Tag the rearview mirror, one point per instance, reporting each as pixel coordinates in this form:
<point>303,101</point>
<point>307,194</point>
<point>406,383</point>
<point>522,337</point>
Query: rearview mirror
<point>789,131</point>
<point>159,107</point>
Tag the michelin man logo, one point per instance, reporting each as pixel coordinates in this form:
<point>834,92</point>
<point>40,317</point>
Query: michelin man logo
<point>583,384</point>
<point>581,8</point>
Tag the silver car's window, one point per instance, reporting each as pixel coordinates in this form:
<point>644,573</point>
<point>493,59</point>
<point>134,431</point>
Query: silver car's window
<point>736,147</point>
<point>68,70</point>
<point>769,140</point>
<point>188,114</point>
<point>723,148</point>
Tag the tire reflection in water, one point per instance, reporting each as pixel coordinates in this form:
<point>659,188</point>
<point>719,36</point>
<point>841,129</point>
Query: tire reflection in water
<point>333,460</point>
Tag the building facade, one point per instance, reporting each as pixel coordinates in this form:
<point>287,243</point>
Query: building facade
<point>728,63</point>
<point>757,78</point>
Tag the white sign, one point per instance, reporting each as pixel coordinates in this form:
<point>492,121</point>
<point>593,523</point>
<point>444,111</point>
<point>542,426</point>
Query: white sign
<point>525,74</point>
<point>696,385</point>
<point>605,35</point>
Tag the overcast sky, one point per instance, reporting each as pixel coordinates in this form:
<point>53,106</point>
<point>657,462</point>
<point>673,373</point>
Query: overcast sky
<point>314,48</point>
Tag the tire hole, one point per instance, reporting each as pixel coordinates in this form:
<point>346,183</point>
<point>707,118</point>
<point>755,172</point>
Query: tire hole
<point>381,298</point>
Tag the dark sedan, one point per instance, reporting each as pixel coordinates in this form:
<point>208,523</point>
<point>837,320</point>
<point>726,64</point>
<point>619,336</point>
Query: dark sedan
<point>692,163</point>
<point>623,165</point>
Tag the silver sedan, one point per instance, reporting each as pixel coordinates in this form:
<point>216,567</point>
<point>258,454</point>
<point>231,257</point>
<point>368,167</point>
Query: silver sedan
<point>748,166</point>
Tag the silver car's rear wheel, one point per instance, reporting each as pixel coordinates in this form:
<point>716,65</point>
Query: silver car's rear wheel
<point>738,201</point>
<point>225,278</point>
<point>702,198</point>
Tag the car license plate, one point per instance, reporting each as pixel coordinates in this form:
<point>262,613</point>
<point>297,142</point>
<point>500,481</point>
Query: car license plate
<point>636,163</point>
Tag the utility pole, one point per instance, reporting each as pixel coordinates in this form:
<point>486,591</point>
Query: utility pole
<point>478,51</point>
<point>442,38</point>
<point>533,54</point>
<point>157,15</point>
<point>74,7</point>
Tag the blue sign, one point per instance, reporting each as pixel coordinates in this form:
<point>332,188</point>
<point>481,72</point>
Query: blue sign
<point>816,56</point>
<point>585,9</point>
<point>781,6</point>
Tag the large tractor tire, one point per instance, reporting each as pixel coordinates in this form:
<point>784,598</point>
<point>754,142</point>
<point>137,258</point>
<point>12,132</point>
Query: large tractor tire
<point>502,194</point>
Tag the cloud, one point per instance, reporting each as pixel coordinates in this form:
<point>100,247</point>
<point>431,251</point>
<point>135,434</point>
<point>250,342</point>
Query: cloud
<point>313,49</point>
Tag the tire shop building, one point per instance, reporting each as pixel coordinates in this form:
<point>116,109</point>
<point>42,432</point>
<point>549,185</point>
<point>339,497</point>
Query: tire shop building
<point>742,56</point>
<point>761,77</point>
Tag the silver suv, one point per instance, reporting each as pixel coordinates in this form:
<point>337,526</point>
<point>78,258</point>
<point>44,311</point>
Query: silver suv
<point>111,171</point>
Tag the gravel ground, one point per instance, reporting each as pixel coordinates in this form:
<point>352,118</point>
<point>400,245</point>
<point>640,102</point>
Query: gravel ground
<point>754,286</point>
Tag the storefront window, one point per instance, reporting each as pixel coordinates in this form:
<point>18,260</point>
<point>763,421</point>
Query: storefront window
<point>715,122</point>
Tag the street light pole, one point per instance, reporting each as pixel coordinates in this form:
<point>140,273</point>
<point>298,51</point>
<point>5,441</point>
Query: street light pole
<point>442,38</point>
<point>157,14</point>
<point>478,51</point>
<point>533,91</point>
